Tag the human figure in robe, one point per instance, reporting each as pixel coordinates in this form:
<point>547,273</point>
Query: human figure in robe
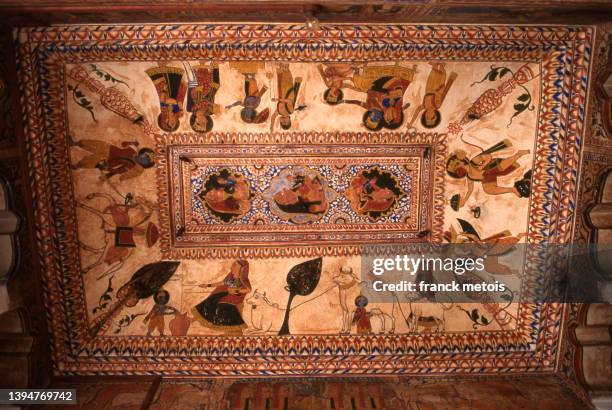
<point>361,317</point>
<point>227,195</point>
<point>170,86</point>
<point>306,195</point>
<point>253,93</point>
<point>286,102</point>
<point>373,192</point>
<point>112,160</point>
<point>436,89</point>
<point>222,309</point>
<point>366,196</point>
<point>203,86</point>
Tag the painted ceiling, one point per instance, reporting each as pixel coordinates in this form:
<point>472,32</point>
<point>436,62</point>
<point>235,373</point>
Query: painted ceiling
<point>203,193</point>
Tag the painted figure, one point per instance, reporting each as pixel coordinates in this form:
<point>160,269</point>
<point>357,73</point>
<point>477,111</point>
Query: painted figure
<point>485,169</point>
<point>419,322</point>
<point>121,224</point>
<point>490,247</point>
<point>171,88</point>
<point>436,88</point>
<point>222,310</point>
<point>155,317</point>
<point>227,195</point>
<point>385,87</point>
<point>361,317</point>
<point>287,94</point>
<point>374,193</point>
<point>253,93</point>
<point>203,84</point>
<point>305,195</point>
<point>299,194</point>
<point>263,315</point>
<point>112,160</point>
<point>337,77</point>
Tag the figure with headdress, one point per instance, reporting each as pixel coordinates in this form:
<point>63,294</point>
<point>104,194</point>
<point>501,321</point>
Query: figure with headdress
<point>204,82</point>
<point>227,195</point>
<point>253,93</point>
<point>384,87</point>
<point>170,86</point>
<point>486,169</point>
<point>436,88</point>
<point>305,195</point>
<point>287,94</point>
<point>112,160</point>
<point>374,192</point>
<point>361,317</point>
<point>222,310</point>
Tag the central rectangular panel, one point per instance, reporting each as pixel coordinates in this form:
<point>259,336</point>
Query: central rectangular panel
<point>329,198</point>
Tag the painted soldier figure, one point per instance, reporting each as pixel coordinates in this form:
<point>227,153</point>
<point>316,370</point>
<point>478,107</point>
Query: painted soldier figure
<point>170,86</point>
<point>288,89</point>
<point>253,93</point>
<point>204,82</point>
<point>436,88</point>
<point>112,160</point>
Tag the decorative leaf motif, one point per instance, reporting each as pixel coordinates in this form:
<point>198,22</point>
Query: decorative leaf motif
<point>126,321</point>
<point>524,97</point>
<point>106,76</point>
<point>105,298</point>
<point>81,100</point>
<point>523,104</point>
<point>494,74</point>
<point>504,71</point>
<point>475,317</point>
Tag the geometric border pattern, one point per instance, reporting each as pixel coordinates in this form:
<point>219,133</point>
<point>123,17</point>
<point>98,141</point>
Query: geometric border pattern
<point>563,53</point>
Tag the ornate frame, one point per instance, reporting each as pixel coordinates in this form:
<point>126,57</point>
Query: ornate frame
<point>564,54</point>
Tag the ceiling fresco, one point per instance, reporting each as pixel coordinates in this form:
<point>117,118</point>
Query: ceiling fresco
<point>203,193</point>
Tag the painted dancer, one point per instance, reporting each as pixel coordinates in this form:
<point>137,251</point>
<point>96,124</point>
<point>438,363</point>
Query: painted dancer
<point>222,310</point>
